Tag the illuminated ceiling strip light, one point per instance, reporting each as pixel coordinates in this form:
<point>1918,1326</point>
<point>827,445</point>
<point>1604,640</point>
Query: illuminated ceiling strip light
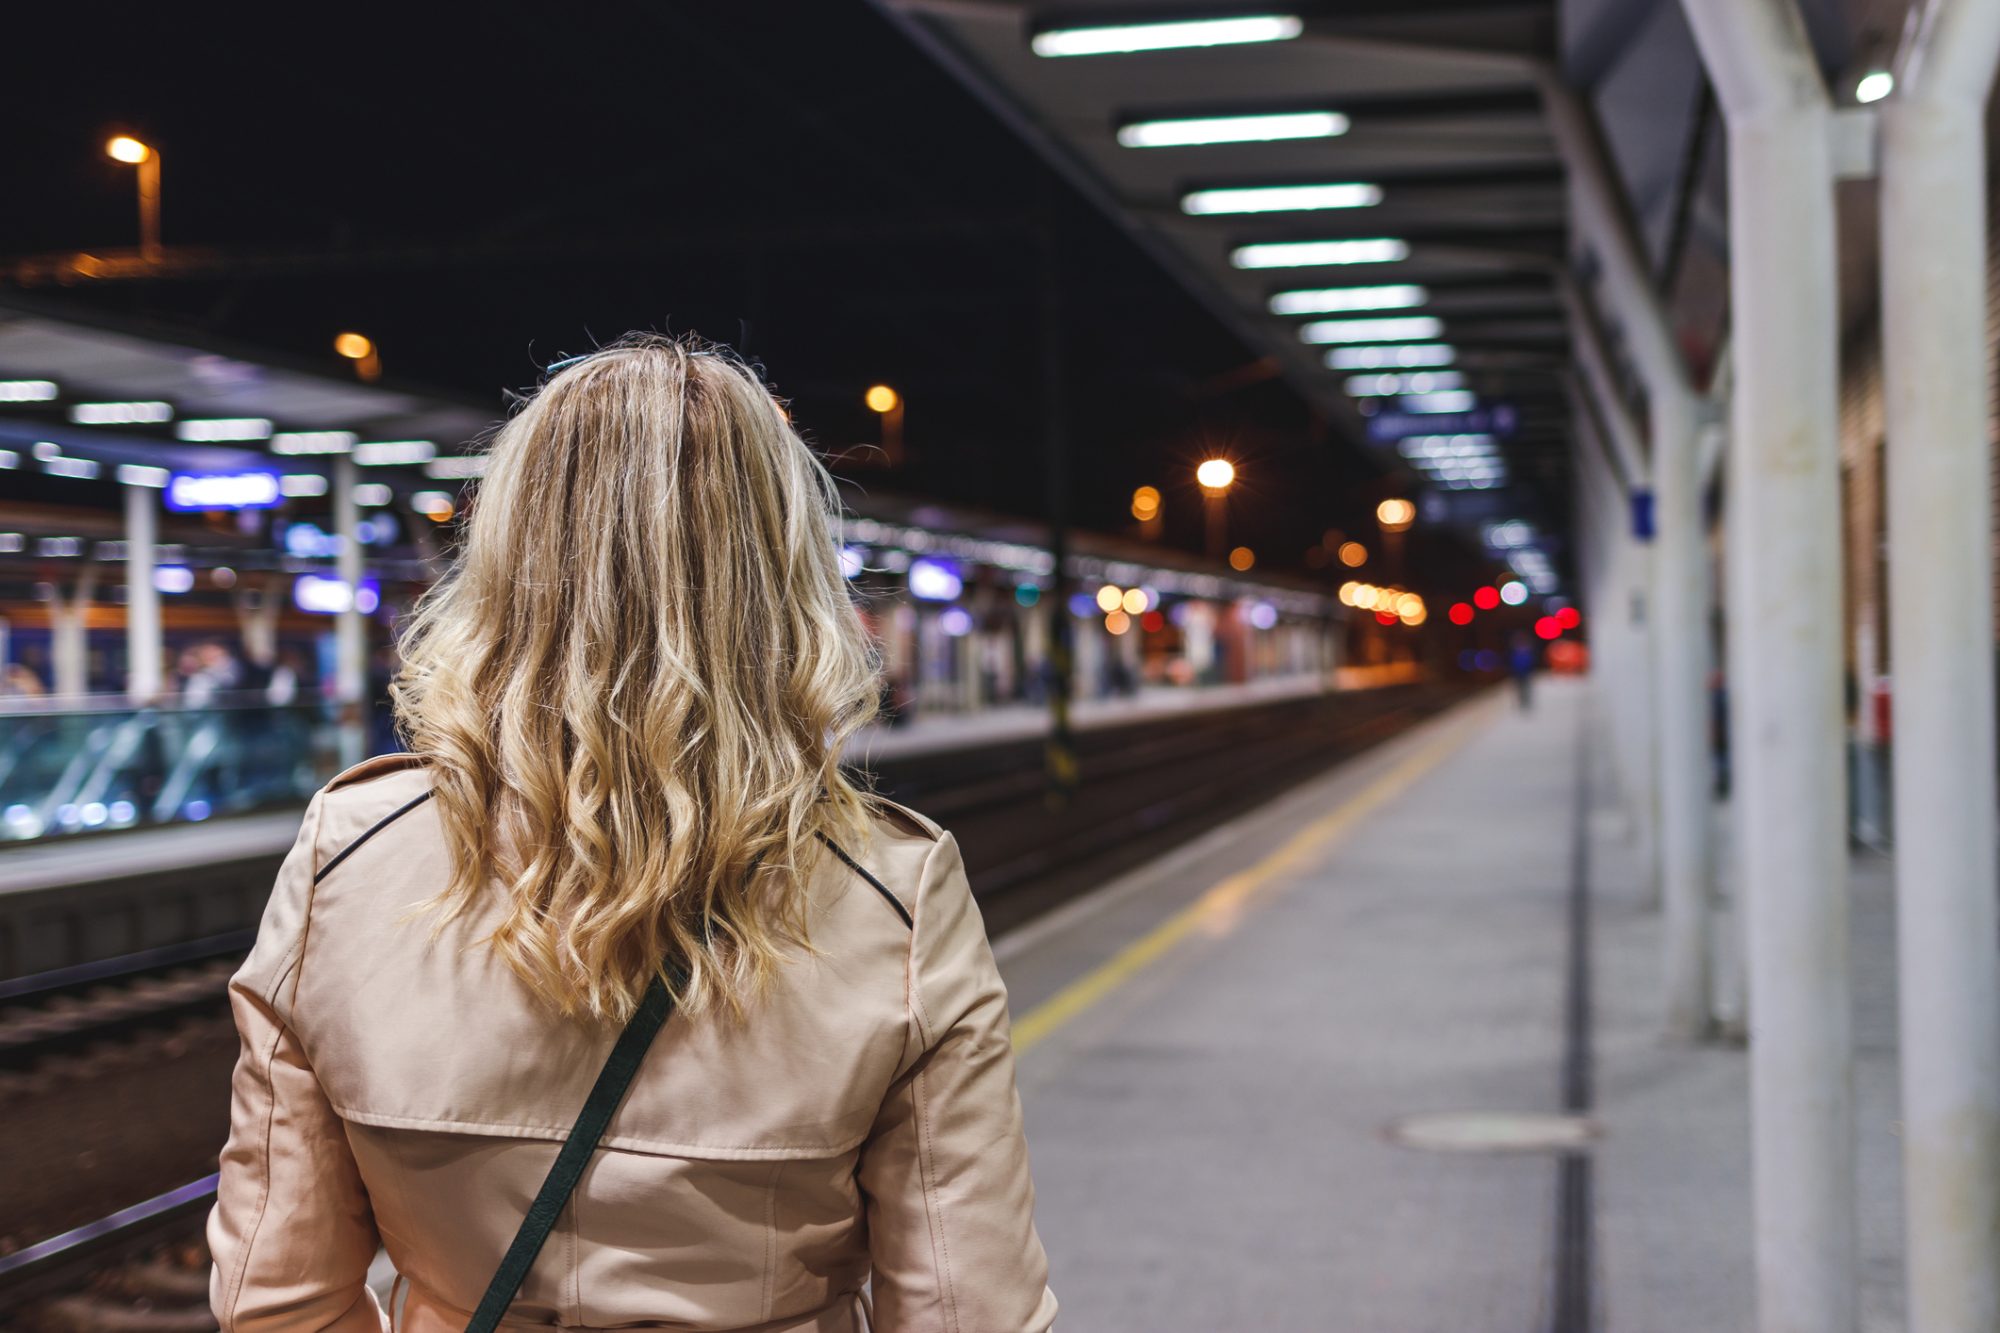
<point>9,460</point>
<point>27,391</point>
<point>138,474</point>
<point>1411,327</point>
<point>456,468</point>
<point>1196,130</point>
<point>1404,357</point>
<point>1454,400</point>
<point>390,453</point>
<point>208,430</point>
<point>296,484</point>
<point>1119,38</point>
<point>312,442</point>
<point>1325,300</point>
<point>64,466</point>
<point>121,414</point>
<point>373,493</point>
<point>1305,254</point>
<point>1392,383</point>
<point>1281,198</point>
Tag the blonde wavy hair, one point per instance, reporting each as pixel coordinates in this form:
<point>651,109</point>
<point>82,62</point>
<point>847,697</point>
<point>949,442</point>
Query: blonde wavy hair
<point>634,688</point>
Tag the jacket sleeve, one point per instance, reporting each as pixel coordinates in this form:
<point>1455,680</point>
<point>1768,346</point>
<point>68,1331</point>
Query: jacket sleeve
<point>292,1233</point>
<point>945,1169</point>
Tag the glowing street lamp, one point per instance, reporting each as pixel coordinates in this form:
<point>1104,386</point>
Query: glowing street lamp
<point>136,153</point>
<point>1215,476</point>
<point>1395,514</point>
<point>361,350</point>
<point>886,403</point>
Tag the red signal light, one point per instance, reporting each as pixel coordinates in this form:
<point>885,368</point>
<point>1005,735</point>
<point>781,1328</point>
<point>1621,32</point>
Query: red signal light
<point>1460,613</point>
<point>1549,627</point>
<point>1152,622</point>
<point>1386,617</point>
<point>1486,598</point>
<point>1569,617</point>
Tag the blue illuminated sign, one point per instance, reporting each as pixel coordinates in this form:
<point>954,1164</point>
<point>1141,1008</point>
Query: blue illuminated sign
<point>1389,425</point>
<point>193,491</point>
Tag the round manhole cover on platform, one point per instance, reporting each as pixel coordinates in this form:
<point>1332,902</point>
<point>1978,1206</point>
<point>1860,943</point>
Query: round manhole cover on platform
<point>1493,1131</point>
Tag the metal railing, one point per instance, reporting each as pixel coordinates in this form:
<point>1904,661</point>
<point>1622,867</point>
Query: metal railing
<point>72,766</point>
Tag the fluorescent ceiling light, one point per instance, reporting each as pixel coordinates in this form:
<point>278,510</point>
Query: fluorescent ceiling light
<point>120,414</point>
<point>1391,358</point>
<point>1321,300</point>
<point>373,493</point>
<point>1304,254</point>
<point>1282,198</point>
<point>138,474</point>
<point>456,467</point>
<point>27,391</point>
<point>389,453</point>
<point>1195,130</point>
<point>1410,327</point>
<point>301,483</point>
<point>64,466</point>
<point>312,442</point>
<point>1456,400</point>
<point>210,429</point>
<point>1874,86</point>
<point>1391,384</point>
<point>1118,38</point>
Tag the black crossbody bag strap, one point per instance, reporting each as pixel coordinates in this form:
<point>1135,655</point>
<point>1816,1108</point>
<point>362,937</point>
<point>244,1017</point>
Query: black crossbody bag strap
<point>609,1090</point>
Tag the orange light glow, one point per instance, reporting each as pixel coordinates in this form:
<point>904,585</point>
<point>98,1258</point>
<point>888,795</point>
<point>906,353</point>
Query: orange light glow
<point>1353,554</point>
<point>1118,622</point>
<point>1242,558</point>
<point>1216,474</point>
<point>354,346</point>
<point>1110,597</point>
<point>124,148</point>
<point>881,398</point>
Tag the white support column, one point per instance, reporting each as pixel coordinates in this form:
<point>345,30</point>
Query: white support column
<point>1679,616</point>
<point>1618,608</point>
<point>350,641</point>
<point>1936,366</point>
<point>143,646</point>
<point>1785,626</point>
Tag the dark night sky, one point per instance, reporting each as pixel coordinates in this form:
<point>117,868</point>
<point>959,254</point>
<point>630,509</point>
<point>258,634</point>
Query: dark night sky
<point>794,179</point>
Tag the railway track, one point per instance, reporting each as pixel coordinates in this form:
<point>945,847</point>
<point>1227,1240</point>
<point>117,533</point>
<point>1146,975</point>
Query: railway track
<point>135,1267</point>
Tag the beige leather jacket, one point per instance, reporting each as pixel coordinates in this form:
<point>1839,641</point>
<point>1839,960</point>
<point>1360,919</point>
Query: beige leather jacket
<point>857,1139</point>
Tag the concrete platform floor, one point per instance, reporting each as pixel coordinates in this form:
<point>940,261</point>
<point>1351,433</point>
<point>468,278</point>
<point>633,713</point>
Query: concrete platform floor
<point>1216,1048</point>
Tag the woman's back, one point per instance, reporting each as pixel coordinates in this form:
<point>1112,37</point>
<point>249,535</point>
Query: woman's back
<point>455,940</point>
<point>861,1116</point>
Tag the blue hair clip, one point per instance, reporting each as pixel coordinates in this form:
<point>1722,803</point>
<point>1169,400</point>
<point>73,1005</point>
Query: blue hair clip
<point>565,363</point>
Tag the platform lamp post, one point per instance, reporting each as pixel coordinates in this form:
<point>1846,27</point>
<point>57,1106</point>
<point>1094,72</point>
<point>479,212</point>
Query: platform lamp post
<point>1395,515</point>
<point>133,152</point>
<point>1215,476</point>
<point>886,403</point>
<point>362,351</point>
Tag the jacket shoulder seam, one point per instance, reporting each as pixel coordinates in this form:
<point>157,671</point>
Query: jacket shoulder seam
<point>902,910</point>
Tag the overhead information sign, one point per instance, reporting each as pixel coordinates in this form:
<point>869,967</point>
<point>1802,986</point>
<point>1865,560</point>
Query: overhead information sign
<point>1389,425</point>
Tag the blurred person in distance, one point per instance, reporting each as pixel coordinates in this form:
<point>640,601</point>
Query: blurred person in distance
<point>1521,666</point>
<point>625,802</point>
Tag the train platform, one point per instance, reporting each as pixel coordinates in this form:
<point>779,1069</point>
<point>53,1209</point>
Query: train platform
<point>1387,1053</point>
<point>62,864</point>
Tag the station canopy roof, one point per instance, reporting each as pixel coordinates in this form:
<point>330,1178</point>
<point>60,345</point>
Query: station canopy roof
<point>69,360</point>
<point>1423,185</point>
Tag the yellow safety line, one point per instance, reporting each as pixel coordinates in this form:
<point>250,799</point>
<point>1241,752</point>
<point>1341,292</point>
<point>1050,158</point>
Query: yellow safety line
<point>1219,907</point>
